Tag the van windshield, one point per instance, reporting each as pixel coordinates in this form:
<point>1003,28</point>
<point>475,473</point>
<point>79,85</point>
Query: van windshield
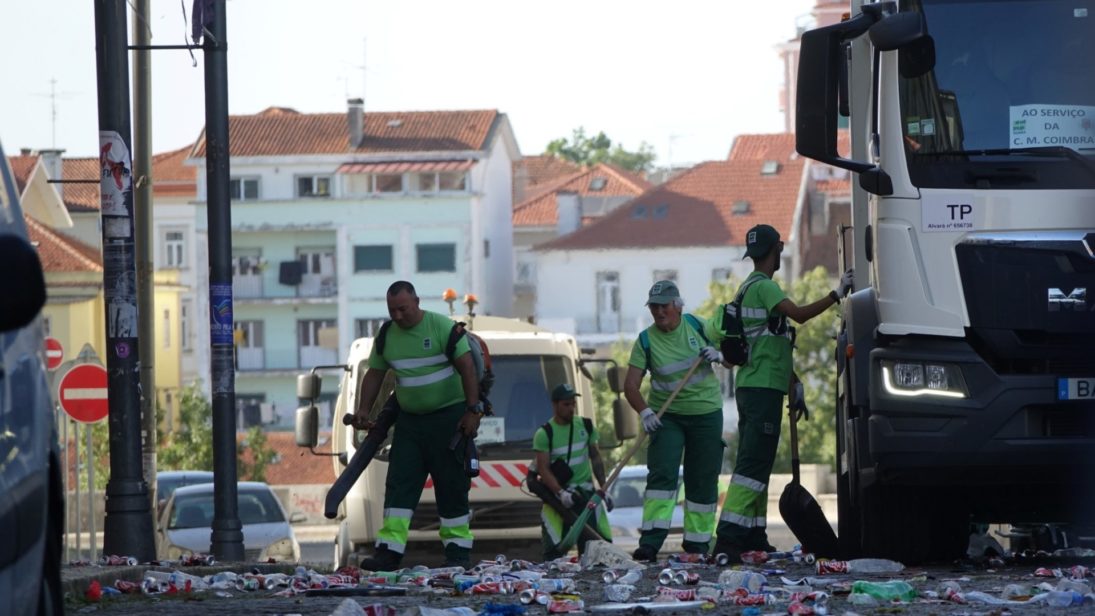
<point>1011,84</point>
<point>522,393</point>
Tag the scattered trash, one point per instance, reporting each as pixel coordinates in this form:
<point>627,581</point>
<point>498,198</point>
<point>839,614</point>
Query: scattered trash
<point>603,553</point>
<point>649,606</point>
<point>750,580</point>
<point>111,560</point>
<point>618,593</point>
<point>893,590</point>
<point>94,591</point>
<point>859,565</point>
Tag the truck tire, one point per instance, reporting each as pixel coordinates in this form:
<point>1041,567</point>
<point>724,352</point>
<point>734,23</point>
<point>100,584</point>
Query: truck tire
<point>343,548</point>
<point>848,514</point>
<point>912,525</point>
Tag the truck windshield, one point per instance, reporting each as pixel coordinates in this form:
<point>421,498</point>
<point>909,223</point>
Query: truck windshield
<point>521,394</point>
<point>1011,87</point>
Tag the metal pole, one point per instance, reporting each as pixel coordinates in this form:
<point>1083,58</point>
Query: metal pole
<point>63,420</point>
<point>76,476</point>
<point>142,200</point>
<point>127,528</point>
<point>92,538</point>
<point>227,538</point>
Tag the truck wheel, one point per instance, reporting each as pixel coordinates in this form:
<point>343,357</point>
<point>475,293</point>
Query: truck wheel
<point>848,514</point>
<point>343,548</point>
<point>912,525</point>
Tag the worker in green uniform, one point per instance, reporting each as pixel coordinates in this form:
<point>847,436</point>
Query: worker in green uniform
<point>571,444</point>
<point>437,396</point>
<point>760,386</point>
<point>691,426</point>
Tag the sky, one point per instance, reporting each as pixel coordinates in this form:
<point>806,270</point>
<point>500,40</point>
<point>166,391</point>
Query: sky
<point>685,77</point>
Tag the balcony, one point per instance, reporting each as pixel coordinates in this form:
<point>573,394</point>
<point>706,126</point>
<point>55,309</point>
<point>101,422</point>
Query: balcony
<point>250,358</point>
<point>247,286</point>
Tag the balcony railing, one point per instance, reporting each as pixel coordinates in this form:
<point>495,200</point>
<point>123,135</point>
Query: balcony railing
<point>246,286</point>
<point>250,358</point>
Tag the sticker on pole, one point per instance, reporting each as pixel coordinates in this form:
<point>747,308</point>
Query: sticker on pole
<point>55,354</point>
<point>83,393</point>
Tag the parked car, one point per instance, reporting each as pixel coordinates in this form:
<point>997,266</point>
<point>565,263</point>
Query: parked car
<point>627,514</point>
<point>187,519</point>
<point>169,481</point>
<point>31,495</point>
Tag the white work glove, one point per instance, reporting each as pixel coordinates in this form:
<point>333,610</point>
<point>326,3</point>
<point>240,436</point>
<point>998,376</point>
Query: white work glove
<point>566,497</point>
<point>797,403</point>
<point>845,284</point>
<point>711,354</point>
<point>651,423</point>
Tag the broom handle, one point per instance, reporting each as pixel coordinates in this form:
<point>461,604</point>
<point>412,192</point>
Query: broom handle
<point>794,447</point>
<point>642,436</point>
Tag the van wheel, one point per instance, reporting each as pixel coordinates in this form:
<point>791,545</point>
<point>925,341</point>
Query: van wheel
<point>343,548</point>
<point>50,598</point>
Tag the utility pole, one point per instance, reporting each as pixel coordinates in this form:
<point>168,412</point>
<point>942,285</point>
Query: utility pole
<point>128,525</point>
<point>142,198</point>
<point>227,534</point>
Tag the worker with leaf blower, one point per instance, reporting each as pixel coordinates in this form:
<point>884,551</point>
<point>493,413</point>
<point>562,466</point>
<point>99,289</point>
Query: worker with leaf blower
<point>438,392</point>
<point>567,460</point>
<point>691,425</point>
<point>753,333</point>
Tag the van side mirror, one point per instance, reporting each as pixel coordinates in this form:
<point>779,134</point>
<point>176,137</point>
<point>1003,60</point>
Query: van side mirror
<point>615,376</point>
<point>308,386</point>
<point>307,426</point>
<point>23,280</point>
<point>625,419</point>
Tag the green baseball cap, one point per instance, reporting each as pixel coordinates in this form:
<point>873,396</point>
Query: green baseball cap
<point>563,392</point>
<point>663,292</point>
<point>759,240</point>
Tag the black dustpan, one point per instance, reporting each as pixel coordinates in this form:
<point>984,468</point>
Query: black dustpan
<point>801,512</point>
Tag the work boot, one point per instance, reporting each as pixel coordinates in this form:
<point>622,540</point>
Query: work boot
<point>645,553</point>
<point>456,561</point>
<point>382,559</point>
<point>732,550</point>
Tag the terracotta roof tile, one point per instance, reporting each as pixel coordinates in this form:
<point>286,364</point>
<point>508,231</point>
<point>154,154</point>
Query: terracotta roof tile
<point>541,209</point>
<point>22,166</point>
<point>280,131</point>
<point>835,187</point>
<point>696,209</point>
<point>296,465</point>
<point>81,197</point>
<point>407,166</point>
<point>776,146</point>
<point>170,177</point>
<point>542,169</point>
<point>60,253</point>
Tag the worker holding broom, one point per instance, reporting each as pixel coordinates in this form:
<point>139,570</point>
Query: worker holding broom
<point>691,425</point>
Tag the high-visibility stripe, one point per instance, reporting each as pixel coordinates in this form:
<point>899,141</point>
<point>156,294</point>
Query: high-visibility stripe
<point>396,512</point>
<point>460,521</point>
<point>660,494</point>
<point>752,484</point>
<point>700,507</point>
<point>394,546</point>
<point>753,313</point>
<point>84,393</point>
<point>417,362</point>
<point>671,385</point>
<point>554,533</point>
<point>652,524</point>
<point>674,367</point>
<point>697,537</point>
<point>560,452</point>
<point>738,519</point>
<point>427,379</point>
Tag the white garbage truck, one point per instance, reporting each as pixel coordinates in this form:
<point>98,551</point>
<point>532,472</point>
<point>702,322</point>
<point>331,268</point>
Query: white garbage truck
<point>527,362</point>
<point>966,356</point>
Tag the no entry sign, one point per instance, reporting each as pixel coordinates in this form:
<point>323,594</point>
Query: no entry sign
<point>83,393</point>
<point>55,354</point>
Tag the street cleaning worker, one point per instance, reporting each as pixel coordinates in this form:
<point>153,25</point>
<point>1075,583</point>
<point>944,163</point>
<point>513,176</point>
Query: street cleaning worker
<point>691,426</point>
<point>760,385</point>
<point>567,460</point>
<point>436,398</point>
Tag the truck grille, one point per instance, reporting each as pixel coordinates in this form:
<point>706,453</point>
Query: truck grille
<point>491,514</point>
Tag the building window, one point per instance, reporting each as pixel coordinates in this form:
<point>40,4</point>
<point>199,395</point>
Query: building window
<point>174,244</point>
<point>720,274</point>
<point>665,275</point>
<point>184,325</point>
<point>598,184</point>
<point>452,181</point>
<point>167,329</point>
<point>368,328</point>
<point>243,189</point>
<point>249,342</point>
<point>436,258</point>
<point>425,182</point>
<point>372,258</point>
<point>486,249</point>
<point>388,183</point>
<point>314,186</point>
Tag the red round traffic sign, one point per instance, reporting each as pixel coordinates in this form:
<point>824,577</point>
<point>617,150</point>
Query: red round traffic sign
<point>83,393</point>
<point>55,354</point>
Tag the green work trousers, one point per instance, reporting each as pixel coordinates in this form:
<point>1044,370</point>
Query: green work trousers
<point>420,447</point>
<point>698,440</point>
<point>553,528</point>
<point>743,522</point>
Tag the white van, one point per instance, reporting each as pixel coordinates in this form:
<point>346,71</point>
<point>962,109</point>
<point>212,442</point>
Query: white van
<point>30,477</point>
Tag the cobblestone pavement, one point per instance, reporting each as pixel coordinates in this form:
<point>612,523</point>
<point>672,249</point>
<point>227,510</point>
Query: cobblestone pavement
<point>967,576</point>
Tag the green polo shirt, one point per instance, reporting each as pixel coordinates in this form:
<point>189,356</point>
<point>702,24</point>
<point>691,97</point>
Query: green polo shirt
<point>425,379</point>
<point>672,354</point>
<point>579,449</point>
<point>769,354</point>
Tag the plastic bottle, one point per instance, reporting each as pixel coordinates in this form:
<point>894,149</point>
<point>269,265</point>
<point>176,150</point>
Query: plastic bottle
<point>622,576</point>
<point>471,458</point>
<point>885,591</point>
<point>618,593</point>
<point>1063,598</point>
<point>1014,591</point>
<point>750,580</point>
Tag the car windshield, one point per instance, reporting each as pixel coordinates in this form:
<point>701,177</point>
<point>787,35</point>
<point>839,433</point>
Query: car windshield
<point>1011,81</point>
<point>196,510</point>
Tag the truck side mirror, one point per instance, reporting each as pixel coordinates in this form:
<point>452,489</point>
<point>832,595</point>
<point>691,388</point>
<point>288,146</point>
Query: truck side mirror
<point>308,386</point>
<point>898,30</point>
<point>307,425</point>
<point>615,376</point>
<point>625,418</point>
<point>23,279</point>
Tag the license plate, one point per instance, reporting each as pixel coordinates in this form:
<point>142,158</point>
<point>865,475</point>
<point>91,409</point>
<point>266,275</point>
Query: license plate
<point>1076,389</point>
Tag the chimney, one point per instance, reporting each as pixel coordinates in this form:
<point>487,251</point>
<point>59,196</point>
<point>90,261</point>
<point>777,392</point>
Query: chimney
<point>51,160</point>
<point>355,120</point>
<point>520,182</point>
<point>569,208</point>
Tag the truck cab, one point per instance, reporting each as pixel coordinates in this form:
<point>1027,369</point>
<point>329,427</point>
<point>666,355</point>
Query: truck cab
<point>965,363</point>
<point>528,362</point>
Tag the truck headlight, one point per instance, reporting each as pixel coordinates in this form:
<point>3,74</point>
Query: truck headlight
<point>281,550</point>
<point>912,379</point>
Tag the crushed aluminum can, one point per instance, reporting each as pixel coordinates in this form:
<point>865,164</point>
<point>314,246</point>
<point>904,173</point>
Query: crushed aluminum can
<point>618,593</point>
<point>666,577</point>
<point>131,588</point>
<point>555,584</point>
<point>498,588</point>
<point>114,561</point>
<point>757,599</point>
<point>680,594</point>
<point>529,596</point>
<point>687,578</point>
<point>825,567</point>
<point>560,605</point>
<point>622,576</point>
<point>197,560</point>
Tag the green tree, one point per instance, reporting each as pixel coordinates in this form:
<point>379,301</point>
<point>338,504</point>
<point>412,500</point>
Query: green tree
<point>253,467</point>
<point>814,361</point>
<point>190,445</point>
<point>586,150</point>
